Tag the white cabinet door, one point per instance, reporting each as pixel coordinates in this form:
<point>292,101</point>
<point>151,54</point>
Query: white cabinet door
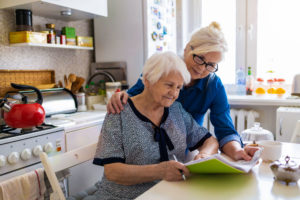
<point>97,7</point>
<point>87,9</point>
<point>81,137</point>
<point>86,174</point>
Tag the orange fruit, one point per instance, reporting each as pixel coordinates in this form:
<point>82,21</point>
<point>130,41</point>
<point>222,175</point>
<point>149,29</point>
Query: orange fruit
<point>271,90</point>
<point>280,91</point>
<point>260,91</point>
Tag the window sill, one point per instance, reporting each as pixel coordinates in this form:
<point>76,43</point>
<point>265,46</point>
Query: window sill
<point>265,100</point>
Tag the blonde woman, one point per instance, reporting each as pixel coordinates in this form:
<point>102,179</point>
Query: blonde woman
<point>137,146</point>
<point>202,54</point>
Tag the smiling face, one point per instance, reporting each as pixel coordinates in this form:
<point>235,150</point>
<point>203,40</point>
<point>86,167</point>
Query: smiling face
<point>199,71</point>
<point>166,90</point>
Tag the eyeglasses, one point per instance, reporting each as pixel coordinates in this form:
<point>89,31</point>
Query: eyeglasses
<point>211,67</point>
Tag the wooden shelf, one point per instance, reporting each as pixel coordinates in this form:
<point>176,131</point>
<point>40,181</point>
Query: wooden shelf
<point>51,46</point>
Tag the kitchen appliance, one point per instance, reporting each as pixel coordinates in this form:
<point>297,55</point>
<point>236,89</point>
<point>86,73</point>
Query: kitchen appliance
<point>296,85</point>
<point>23,20</point>
<point>133,35</point>
<point>20,148</point>
<point>55,100</point>
<point>24,114</point>
<point>286,120</point>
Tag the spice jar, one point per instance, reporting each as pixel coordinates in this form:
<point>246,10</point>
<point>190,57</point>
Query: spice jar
<point>280,91</point>
<point>260,89</point>
<point>51,34</point>
<point>111,88</point>
<point>271,89</point>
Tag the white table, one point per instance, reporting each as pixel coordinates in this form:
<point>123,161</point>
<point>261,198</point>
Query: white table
<point>258,184</point>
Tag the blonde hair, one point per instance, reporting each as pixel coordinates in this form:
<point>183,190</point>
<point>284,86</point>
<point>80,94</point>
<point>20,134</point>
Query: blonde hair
<point>208,39</point>
<point>160,64</point>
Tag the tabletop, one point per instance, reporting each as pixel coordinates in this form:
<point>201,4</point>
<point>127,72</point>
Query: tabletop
<point>258,184</point>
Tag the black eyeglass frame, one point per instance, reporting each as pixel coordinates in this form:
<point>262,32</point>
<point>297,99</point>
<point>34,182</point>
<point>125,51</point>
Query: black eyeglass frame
<point>208,66</point>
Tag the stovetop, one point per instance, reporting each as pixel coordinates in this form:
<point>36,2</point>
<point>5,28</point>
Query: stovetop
<point>8,134</point>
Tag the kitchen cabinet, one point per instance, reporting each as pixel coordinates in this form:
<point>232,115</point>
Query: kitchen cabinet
<point>59,9</point>
<point>85,174</point>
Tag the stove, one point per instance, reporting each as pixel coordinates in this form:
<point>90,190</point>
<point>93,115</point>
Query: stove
<point>20,148</point>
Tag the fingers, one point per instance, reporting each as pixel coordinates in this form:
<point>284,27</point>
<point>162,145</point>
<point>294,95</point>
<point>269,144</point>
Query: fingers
<point>201,155</point>
<point>110,109</point>
<point>245,156</point>
<point>251,150</point>
<point>115,102</point>
<point>183,168</point>
<point>125,97</point>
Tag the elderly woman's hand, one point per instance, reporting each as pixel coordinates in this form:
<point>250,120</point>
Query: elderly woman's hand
<point>201,155</point>
<point>171,170</point>
<point>115,103</point>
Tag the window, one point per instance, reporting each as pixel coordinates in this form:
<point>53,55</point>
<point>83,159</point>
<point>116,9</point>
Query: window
<point>226,18</point>
<point>278,38</point>
<point>263,34</point>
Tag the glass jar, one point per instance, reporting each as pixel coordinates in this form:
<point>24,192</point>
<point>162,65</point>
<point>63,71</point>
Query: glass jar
<point>102,90</point>
<point>260,88</point>
<point>271,88</point>
<point>51,34</point>
<point>111,88</point>
<point>280,91</point>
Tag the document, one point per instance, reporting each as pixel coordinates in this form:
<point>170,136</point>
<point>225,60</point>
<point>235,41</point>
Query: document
<point>219,163</point>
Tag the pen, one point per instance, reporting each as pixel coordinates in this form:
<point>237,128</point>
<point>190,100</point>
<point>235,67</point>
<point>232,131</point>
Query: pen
<point>182,174</point>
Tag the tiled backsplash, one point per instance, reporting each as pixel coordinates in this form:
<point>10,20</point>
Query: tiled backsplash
<point>63,61</point>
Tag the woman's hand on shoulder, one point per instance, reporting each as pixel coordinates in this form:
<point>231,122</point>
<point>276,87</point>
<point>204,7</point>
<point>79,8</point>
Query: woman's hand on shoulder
<point>171,170</point>
<point>115,103</point>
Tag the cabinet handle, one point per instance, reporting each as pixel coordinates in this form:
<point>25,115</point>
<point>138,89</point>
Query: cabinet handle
<point>280,127</point>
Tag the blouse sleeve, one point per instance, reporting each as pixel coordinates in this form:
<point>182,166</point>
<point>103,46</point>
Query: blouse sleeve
<point>110,145</point>
<point>136,89</point>
<point>196,134</point>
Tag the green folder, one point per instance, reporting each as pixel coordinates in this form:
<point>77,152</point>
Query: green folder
<point>219,163</point>
<point>213,166</point>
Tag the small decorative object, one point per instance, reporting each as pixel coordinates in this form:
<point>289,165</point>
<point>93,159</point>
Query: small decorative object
<point>287,172</point>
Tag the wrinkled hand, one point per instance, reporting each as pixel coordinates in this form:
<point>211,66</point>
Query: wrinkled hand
<point>115,103</point>
<point>171,171</point>
<point>201,155</point>
<point>246,153</point>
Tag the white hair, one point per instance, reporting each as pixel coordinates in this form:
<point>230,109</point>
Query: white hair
<point>208,39</point>
<point>160,64</point>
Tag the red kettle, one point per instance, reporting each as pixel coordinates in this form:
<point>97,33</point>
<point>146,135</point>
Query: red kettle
<point>24,115</point>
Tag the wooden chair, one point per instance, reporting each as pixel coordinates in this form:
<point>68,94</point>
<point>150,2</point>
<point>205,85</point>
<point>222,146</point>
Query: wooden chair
<point>63,161</point>
<point>296,134</point>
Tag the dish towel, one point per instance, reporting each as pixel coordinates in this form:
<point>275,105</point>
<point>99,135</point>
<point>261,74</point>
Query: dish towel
<point>30,186</point>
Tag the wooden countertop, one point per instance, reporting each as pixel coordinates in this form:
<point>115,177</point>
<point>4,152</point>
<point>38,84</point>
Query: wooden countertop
<point>258,184</point>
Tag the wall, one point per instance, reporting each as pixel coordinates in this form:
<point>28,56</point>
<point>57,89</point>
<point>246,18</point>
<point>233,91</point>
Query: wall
<point>63,61</point>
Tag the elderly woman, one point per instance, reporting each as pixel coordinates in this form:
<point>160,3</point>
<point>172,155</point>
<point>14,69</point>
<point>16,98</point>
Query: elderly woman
<point>136,147</point>
<point>205,91</point>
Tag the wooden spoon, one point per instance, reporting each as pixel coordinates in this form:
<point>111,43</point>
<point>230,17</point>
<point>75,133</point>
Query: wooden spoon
<point>71,79</point>
<point>65,81</point>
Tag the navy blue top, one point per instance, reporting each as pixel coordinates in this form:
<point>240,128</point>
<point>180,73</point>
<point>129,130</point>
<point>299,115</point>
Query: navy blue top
<point>200,97</point>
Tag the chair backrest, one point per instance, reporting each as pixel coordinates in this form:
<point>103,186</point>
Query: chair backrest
<point>296,134</point>
<point>63,161</point>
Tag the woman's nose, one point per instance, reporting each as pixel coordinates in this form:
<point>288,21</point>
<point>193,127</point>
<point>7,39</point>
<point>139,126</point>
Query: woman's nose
<point>174,91</point>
